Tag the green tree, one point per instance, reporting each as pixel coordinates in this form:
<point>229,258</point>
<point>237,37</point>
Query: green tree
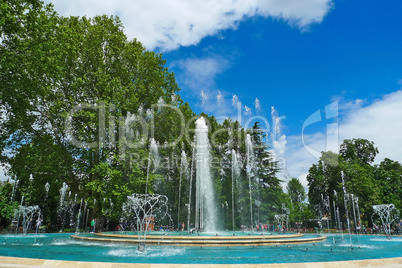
<point>388,176</point>
<point>296,191</point>
<point>268,189</point>
<point>358,155</point>
<point>324,177</point>
<point>361,151</point>
<point>49,66</point>
<point>7,205</point>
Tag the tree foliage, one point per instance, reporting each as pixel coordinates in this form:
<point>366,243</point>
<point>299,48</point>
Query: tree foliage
<point>80,104</point>
<point>371,184</point>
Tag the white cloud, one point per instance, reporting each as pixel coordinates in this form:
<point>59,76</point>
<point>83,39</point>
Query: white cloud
<point>169,24</point>
<point>380,122</point>
<point>200,73</point>
<point>198,76</point>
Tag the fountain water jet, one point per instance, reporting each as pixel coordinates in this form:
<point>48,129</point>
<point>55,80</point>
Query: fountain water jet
<point>250,157</point>
<point>205,212</point>
<point>345,200</point>
<point>386,216</point>
<point>326,209</point>
<point>15,187</point>
<point>235,174</point>
<point>79,217</point>
<point>19,213</point>
<point>146,208</point>
<point>184,168</point>
<point>190,190</point>
<point>28,213</point>
<point>47,188</point>
<point>153,157</point>
<point>61,211</point>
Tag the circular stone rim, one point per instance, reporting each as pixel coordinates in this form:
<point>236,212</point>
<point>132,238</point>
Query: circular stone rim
<point>210,241</point>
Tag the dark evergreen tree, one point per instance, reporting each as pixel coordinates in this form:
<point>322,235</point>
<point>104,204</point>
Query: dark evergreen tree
<point>268,189</point>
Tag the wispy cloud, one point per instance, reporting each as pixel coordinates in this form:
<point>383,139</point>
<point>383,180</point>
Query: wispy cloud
<point>200,73</point>
<point>197,77</point>
<point>169,24</point>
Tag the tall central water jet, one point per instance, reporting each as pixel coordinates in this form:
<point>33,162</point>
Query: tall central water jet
<point>235,175</point>
<point>250,158</point>
<point>205,210</point>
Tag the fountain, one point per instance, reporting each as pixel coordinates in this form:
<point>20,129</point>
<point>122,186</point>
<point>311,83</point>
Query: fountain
<point>183,169</point>
<point>146,209</point>
<point>18,212</point>
<point>71,211</point>
<point>358,211</point>
<point>14,190</point>
<point>62,207</point>
<point>327,210</point>
<point>249,169</point>
<point>281,219</point>
<point>205,210</point>
<point>386,216</point>
<point>28,214</point>
<point>345,200</point>
<point>336,222</point>
<point>235,175</point>
<point>109,213</point>
<point>153,157</point>
<point>189,191</point>
<point>47,188</point>
<point>123,251</point>
<point>77,226</point>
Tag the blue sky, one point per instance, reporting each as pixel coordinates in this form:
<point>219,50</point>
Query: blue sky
<point>352,56</point>
<point>298,56</point>
<point>354,53</point>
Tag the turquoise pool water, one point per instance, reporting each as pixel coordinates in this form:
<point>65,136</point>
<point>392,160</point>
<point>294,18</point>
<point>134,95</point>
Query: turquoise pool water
<point>62,247</point>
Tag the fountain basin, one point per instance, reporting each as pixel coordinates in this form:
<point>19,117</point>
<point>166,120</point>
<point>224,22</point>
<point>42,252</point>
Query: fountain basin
<point>206,241</point>
<point>333,249</point>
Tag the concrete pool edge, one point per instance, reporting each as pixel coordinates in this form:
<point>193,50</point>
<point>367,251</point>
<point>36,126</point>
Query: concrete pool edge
<point>207,241</point>
<point>27,262</point>
<point>204,237</point>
